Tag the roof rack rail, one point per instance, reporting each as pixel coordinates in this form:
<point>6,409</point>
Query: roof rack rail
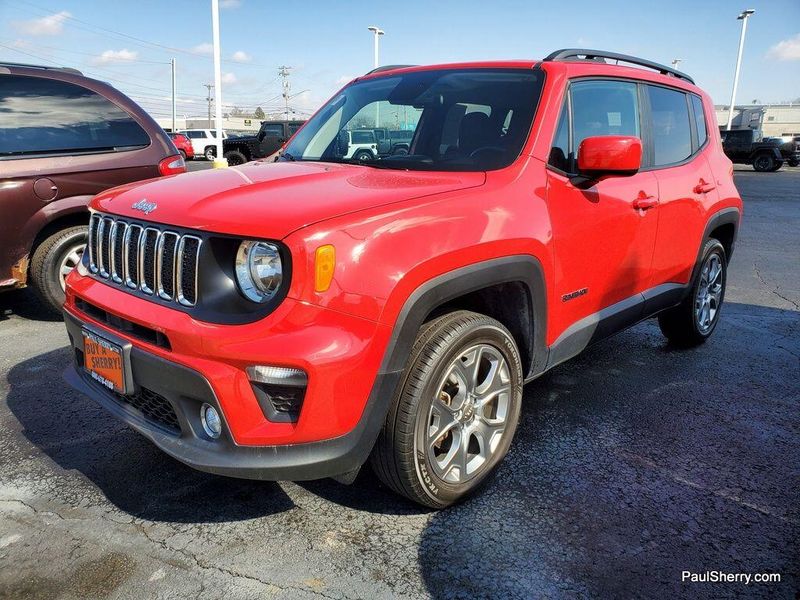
<point>44,67</point>
<point>388,68</point>
<point>600,55</point>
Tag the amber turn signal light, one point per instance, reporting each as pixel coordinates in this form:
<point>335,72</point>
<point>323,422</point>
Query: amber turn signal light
<point>324,265</point>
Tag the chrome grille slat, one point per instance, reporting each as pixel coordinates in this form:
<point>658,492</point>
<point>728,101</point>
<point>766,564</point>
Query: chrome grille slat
<point>144,258</point>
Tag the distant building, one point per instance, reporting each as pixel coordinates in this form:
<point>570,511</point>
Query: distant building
<point>771,119</point>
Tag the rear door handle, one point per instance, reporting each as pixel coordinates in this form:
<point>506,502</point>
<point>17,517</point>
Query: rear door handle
<point>644,202</point>
<point>703,188</point>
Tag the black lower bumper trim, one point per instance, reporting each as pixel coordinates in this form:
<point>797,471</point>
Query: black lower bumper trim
<point>187,390</point>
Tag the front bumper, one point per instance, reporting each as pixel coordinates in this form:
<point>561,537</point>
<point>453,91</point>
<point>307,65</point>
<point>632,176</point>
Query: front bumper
<point>185,390</point>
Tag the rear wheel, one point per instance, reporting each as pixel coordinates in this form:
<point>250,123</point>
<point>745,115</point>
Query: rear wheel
<point>52,261</point>
<point>363,155</point>
<point>763,163</point>
<point>693,321</point>
<point>210,153</point>
<point>235,157</point>
<point>453,418</point>
<point>183,154</point>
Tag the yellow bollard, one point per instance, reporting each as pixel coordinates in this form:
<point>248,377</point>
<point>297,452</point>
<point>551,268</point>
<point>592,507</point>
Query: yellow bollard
<point>219,163</point>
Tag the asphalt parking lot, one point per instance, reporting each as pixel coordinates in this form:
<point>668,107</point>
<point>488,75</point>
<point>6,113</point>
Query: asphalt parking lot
<point>632,463</point>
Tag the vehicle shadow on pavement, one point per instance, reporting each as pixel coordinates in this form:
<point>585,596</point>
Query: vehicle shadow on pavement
<point>634,462</point>
<point>79,435</point>
<point>24,303</point>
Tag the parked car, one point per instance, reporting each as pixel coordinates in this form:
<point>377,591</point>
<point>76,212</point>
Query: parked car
<point>271,136</point>
<point>63,138</point>
<point>392,141</point>
<point>359,144</point>
<point>746,146</point>
<point>183,144</point>
<point>295,319</point>
<point>204,142</point>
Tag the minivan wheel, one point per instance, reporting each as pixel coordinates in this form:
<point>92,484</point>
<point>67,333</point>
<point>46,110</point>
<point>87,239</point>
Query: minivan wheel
<point>763,163</point>
<point>53,260</point>
<point>453,417</point>
<point>210,153</point>
<point>693,321</point>
<point>235,157</point>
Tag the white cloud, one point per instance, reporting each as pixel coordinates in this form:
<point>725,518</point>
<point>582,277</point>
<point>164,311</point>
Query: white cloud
<point>115,56</point>
<point>230,3</point>
<point>204,48</point>
<point>49,25</point>
<point>241,56</point>
<point>229,78</point>
<point>786,49</point>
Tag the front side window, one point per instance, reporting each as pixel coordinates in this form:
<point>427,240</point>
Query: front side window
<point>275,130</point>
<point>294,127</point>
<point>45,116</point>
<point>458,119</point>
<point>672,135</point>
<point>603,108</point>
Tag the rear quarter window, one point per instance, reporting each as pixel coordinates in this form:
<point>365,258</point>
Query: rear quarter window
<point>41,116</point>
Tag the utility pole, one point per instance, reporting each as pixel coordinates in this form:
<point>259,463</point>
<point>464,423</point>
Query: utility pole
<point>283,72</point>
<point>210,87</point>
<point>376,62</point>
<point>743,16</point>
<point>172,63</point>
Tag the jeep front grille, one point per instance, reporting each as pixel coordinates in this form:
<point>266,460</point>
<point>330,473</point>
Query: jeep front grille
<point>157,262</point>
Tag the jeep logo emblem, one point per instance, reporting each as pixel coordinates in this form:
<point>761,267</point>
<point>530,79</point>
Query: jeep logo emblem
<point>144,206</point>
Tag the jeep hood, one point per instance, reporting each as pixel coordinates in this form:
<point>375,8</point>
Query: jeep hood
<point>271,200</point>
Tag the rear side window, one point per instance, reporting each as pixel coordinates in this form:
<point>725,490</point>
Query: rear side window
<point>293,128</point>
<point>275,130</point>
<point>699,119</point>
<point>672,135</point>
<point>45,116</point>
<point>363,137</point>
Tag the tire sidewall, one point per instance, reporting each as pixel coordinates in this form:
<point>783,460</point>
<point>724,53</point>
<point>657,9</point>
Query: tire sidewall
<point>768,163</point>
<point>238,157</point>
<point>712,247</point>
<point>210,153</point>
<point>49,286</point>
<point>440,491</point>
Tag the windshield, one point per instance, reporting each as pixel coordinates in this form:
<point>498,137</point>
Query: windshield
<point>443,120</point>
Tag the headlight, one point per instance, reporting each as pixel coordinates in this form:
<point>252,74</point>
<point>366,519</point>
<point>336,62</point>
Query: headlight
<point>259,271</point>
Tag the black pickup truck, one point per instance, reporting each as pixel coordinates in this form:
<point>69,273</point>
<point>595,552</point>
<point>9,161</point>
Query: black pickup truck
<point>747,146</point>
<point>271,136</point>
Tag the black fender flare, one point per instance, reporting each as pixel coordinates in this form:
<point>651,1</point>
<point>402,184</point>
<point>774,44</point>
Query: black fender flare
<point>726,216</point>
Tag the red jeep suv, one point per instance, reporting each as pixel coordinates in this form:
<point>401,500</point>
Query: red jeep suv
<point>297,318</point>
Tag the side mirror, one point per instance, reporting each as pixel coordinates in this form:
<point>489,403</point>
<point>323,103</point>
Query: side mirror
<point>609,155</point>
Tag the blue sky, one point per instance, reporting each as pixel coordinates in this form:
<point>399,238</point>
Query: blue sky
<point>129,44</point>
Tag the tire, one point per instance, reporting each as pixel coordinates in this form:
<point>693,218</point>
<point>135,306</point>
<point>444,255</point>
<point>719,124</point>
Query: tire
<point>235,157</point>
<point>183,154</point>
<point>404,457</point>
<point>794,163</point>
<point>400,151</point>
<point>763,163</point>
<point>683,325</point>
<point>56,252</point>
<point>363,155</point>
<point>210,153</point>
<point>778,165</point>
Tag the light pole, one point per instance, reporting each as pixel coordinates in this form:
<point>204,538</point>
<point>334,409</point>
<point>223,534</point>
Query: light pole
<point>743,16</point>
<point>378,32</point>
<point>375,63</point>
<point>676,62</point>
<point>219,160</point>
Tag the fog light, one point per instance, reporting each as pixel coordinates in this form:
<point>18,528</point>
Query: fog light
<point>212,424</point>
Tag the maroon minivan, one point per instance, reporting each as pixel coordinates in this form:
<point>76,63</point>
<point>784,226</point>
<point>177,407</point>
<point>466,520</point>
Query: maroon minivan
<point>64,138</point>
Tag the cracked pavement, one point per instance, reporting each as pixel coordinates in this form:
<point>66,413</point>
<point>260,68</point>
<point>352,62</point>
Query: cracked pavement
<point>632,463</point>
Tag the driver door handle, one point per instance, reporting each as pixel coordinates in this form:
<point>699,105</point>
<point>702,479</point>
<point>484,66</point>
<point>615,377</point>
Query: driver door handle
<point>644,202</point>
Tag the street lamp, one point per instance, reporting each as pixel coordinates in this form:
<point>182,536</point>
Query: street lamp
<point>219,159</point>
<point>676,62</point>
<point>743,16</point>
<point>378,32</point>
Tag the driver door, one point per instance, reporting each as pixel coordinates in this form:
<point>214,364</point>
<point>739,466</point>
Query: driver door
<point>270,138</point>
<point>603,242</point>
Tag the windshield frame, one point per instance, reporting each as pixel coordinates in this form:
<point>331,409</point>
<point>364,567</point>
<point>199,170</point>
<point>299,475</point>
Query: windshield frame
<point>294,149</point>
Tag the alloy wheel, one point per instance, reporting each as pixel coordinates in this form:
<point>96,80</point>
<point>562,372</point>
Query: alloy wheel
<point>709,293</point>
<point>468,414</point>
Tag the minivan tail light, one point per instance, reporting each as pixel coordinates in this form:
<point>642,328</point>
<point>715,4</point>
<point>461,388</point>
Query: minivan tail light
<point>172,165</point>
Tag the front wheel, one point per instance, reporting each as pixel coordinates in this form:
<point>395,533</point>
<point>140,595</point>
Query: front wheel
<point>794,163</point>
<point>51,263</point>
<point>763,163</point>
<point>693,321</point>
<point>454,416</point>
<point>210,153</point>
